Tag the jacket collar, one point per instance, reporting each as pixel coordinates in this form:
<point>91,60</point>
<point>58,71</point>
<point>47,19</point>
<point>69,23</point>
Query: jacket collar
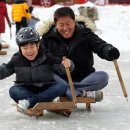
<point>41,57</point>
<point>47,25</point>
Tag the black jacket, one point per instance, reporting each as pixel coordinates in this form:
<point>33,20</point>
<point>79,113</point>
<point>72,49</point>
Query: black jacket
<point>79,49</point>
<point>38,72</point>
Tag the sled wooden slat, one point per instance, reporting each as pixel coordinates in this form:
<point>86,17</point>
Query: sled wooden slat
<point>79,100</point>
<point>54,105</point>
<point>85,100</point>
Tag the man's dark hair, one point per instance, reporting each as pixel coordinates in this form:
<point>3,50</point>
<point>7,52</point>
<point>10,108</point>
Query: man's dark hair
<point>63,11</point>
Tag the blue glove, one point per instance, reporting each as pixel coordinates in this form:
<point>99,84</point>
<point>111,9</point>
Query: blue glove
<point>113,53</point>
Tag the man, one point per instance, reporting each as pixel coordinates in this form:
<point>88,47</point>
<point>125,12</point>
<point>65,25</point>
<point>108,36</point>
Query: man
<point>68,37</point>
<point>3,16</point>
<point>35,81</point>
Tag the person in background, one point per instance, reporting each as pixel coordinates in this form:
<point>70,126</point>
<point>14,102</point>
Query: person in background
<point>91,13</point>
<point>20,14</point>
<point>34,20</point>
<point>78,43</point>
<point>3,15</point>
<point>34,68</point>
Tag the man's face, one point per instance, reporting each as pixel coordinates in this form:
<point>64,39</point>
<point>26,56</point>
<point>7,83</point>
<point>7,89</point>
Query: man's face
<point>30,51</point>
<point>65,26</point>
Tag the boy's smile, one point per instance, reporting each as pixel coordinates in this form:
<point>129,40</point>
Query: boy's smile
<point>30,51</point>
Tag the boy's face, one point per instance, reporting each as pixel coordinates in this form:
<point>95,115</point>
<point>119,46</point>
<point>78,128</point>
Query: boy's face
<point>65,26</point>
<point>30,51</point>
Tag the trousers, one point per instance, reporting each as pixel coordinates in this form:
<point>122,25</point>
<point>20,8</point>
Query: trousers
<point>35,94</point>
<point>93,82</point>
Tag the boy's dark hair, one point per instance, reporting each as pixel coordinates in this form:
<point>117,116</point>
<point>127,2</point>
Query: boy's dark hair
<point>63,11</point>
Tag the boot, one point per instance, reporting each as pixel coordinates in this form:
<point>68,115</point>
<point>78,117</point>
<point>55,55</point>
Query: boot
<point>4,46</point>
<point>96,95</point>
<point>23,104</point>
<point>3,52</point>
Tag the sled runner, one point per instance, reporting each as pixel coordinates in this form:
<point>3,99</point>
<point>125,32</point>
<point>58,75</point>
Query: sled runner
<point>62,106</point>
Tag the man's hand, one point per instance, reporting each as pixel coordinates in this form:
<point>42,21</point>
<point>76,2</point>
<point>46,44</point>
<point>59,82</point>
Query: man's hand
<point>66,62</point>
<point>113,53</point>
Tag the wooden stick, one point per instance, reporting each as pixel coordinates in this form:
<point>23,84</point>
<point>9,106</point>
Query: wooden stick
<point>120,78</point>
<point>70,83</point>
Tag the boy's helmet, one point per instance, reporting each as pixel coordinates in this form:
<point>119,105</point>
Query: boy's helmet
<point>27,35</point>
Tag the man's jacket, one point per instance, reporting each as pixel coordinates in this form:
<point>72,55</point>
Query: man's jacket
<point>79,48</point>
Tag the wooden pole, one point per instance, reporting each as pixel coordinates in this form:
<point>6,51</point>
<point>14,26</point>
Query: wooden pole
<point>70,83</point>
<point>120,78</point>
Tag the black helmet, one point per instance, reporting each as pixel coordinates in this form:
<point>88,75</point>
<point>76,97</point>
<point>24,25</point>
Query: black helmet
<point>27,35</point>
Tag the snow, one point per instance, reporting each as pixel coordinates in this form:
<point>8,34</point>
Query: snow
<point>112,113</point>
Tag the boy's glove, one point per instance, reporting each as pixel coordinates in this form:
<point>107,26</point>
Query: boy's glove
<point>113,53</point>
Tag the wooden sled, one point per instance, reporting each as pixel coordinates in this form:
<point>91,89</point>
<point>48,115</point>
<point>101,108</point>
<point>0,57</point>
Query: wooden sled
<point>63,104</point>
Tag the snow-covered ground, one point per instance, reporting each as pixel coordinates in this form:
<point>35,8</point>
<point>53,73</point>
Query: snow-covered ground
<point>113,113</point>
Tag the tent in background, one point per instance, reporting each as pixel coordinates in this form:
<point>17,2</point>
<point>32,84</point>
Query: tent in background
<point>119,1</point>
<point>49,3</point>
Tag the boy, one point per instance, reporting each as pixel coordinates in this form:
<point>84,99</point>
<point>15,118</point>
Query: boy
<point>35,81</point>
